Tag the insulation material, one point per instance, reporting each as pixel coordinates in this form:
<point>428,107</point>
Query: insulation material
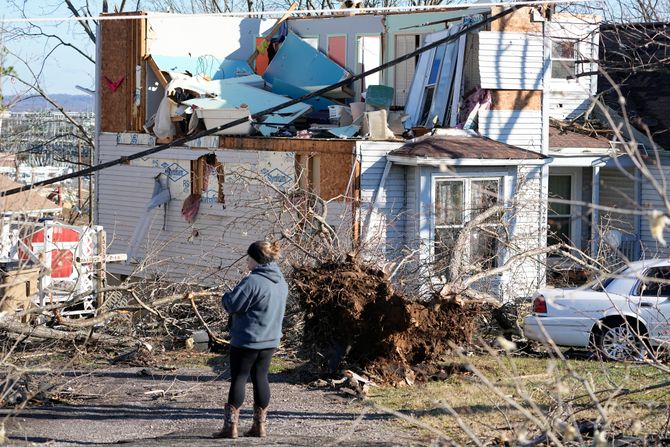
<point>177,173</point>
<point>277,168</point>
<point>376,127</point>
<point>298,63</point>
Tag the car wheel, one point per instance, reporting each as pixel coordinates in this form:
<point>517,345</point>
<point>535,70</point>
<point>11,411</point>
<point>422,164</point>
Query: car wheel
<point>619,341</point>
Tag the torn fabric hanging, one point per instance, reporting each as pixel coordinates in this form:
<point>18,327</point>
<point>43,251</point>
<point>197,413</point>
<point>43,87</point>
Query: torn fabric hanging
<point>159,196</point>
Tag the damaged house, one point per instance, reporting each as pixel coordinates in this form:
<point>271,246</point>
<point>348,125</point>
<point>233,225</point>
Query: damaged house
<point>402,158</point>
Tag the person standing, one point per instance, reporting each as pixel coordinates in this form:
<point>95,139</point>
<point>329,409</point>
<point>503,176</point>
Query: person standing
<point>256,307</point>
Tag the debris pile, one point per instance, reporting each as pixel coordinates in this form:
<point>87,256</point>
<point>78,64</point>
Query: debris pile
<point>353,315</point>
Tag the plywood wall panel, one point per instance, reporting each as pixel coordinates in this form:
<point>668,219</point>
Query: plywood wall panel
<point>518,21</point>
<point>122,47</point>
<point>516,99</point>
<point>335,173</point>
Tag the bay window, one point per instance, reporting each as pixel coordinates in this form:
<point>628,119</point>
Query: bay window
<point>456,202</point>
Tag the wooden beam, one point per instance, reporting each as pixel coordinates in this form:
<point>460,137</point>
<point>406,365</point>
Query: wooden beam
<point>157,71</point>
<point>273,31</point>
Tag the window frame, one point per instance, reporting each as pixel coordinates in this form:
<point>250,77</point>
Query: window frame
<point>575,210</point>
<point>574,60</point>
<point>466,208</point>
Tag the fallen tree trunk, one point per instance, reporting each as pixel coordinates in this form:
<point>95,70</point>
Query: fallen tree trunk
<point>16,327</point>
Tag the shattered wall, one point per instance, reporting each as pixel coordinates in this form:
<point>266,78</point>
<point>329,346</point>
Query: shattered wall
<point>201,252</point>
<point>330,33</point>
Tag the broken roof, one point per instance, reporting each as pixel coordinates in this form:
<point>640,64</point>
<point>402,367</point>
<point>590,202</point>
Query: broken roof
<point>456,144</point>
<point>560,138</point>
<point>26,202</point>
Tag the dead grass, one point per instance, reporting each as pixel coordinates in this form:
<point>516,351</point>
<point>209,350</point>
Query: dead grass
<point>548,384</point>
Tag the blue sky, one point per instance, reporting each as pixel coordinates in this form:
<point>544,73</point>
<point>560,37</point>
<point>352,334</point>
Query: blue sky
<point>64,67</point>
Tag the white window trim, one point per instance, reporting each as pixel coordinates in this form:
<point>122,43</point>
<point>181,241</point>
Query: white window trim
<point>466,179</point>
<point>585,49</point>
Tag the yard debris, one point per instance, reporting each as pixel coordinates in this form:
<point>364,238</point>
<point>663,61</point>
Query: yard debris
<point>354,316</point>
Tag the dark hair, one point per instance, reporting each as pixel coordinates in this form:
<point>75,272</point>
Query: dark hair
<point>264,252</point>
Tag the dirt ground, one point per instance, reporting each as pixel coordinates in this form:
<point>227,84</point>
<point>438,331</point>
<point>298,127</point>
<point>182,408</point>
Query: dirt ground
<point>126,406</point>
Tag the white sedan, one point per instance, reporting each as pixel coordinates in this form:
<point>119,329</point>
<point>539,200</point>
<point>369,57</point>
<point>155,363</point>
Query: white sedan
<point>622,316</point>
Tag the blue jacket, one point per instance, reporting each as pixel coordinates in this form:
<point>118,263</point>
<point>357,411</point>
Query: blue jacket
<point>256,307</point>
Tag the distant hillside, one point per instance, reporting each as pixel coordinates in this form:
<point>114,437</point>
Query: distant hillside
<point>71,103</point>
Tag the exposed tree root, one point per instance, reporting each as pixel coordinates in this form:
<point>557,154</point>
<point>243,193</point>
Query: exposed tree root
<point>354,315</point>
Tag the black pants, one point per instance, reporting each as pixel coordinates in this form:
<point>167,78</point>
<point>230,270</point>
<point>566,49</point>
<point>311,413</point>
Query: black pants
<point>245,362</point>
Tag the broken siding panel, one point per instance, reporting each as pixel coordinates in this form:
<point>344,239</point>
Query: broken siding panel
<point>568,104</point>
<point>179,252</point>
<point>513,61</point>
<point>515,127</point>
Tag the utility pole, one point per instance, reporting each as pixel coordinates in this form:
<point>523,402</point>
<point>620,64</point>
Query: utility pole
<point>79,179</point>
<point>90,187</point>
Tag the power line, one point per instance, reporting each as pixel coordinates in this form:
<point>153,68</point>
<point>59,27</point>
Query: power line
<point>258,115</point>
<point>357,11</point>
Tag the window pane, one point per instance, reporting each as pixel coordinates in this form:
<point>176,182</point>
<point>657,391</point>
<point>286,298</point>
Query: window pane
<point>483,195</point>
<point>445,239</point>
<point>560,187</point>
<point>483,247</point>
<point>427,102</point>
<point>448,203</point>
<point>563,49</point>
<point>563,69</point>
<point>559,230</point>
<point>657,282</point>
<point>437,62</point>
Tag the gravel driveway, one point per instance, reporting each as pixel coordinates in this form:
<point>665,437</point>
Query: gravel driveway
<point>145,407</point>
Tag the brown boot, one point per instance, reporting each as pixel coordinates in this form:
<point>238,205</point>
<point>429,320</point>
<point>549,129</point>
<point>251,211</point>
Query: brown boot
<point>231,416</point>
<point>258,426</point>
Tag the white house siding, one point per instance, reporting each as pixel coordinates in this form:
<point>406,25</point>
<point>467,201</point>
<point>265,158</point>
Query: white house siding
<point>383,229</point>
<point>182,252</point>
<point>516,127</point>
<point>652,200</point>
<point>570,98</point>
<point>527,232</point>
<point>618,190</point>
<point>568,104</point>
<point>511,61</point>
